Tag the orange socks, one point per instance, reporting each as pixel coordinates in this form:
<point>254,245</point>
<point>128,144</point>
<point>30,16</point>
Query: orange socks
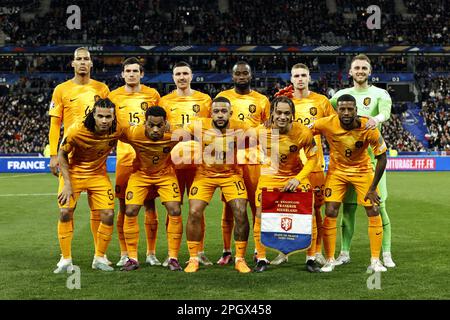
<point>65,235</point>
<point>329,236</point>
<point>260,249</point>
<point>193,248</point>
<point>241,248</point>
<point>319,224</point>
<point>375,235</point>
<point>123,245</point>
<point>131,234</point>
<point>227,226</point>
<point>151,230</point>
<point>95,223</point>
<point>104,235</point>
<point>312,249</point>
<point>174,234</point>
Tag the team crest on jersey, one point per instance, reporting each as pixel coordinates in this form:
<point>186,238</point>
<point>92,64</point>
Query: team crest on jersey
<point>166,149</point>
<point>286,224</point>
<point>367,101</point>
<point>327,192</point>
<point>293,148</point>
<point>313,111</point>
<point>252,108</point>
<point>359,144</point>
<point>96,98</point>
<point>194,191</point>
<point>196,108</point>
<point>129,195</point>
<point>144,106</point>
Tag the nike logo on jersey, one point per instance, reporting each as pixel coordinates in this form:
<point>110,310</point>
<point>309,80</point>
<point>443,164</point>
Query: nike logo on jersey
<point>173,109</point>
<point>72,100</point>
<point>122,107</point>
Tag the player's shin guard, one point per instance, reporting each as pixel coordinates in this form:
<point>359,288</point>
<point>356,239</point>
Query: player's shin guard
<point>119,224</point>
<point>193,248</point>
<point>227,226</point>
<point>319,224</point>
<point>65,235</point>
<point>329,236</point>
<point>104,235</point>
<point>348,225</point>
<point>201,246</point>
<point>386,244</point>
<point>260,249</point>
<point>131,234</point>
<point>312,249</point>
<point>95,223</point>
<point>375,235</point>
<point>174,234</point>
<point>241,248</point>
<point>151,230</point>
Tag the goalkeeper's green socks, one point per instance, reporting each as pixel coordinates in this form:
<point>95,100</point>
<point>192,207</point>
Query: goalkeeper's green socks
<point>348,226</point>
<point>386,244</point>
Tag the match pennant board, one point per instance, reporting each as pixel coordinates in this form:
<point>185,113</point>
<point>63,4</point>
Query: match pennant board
<point>286,220</point>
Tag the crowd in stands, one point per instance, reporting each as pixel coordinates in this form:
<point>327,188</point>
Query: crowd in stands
<point>259,22</point>
<point>436,112</point>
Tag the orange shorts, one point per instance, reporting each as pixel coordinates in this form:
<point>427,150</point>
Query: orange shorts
<point>123,174</point>
<point>232,187</point>
<point>317,180</point>
<point>337,182</point>
<point>98,188</point>
<point>140,184</point>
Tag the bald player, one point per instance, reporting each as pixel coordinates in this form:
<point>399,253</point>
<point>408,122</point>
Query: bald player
<point>71,102</point>
<point>251,108</point>
<point>132,101</point>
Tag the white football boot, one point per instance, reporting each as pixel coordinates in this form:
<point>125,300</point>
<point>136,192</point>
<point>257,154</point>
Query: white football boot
<point>344,258</point>
<point>387,260</point>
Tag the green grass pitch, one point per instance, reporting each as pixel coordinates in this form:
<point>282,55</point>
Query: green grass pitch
<point>418,206</point>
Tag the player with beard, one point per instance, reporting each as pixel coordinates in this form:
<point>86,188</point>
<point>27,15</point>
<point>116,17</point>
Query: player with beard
<point>219,137</point>
<point>349,137</point>
<point>251,108</point>
<point>183,106</point>
<point>374,103</point>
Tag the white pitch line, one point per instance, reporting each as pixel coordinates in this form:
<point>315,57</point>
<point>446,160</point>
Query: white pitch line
<point>27,194</point>
<point>20,175</point>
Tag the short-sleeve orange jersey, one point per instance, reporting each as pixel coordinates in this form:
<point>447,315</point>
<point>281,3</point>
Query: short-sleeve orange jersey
<point>182,110</point>
<point>348,148</point>
<point>130,111</point>
<point>152,157</point>
<point>281,152</point>
<point>87,150</point>
<point>72,102</point>
<point>252,108</point>
<point>219,149</point>
<point>308,110</point>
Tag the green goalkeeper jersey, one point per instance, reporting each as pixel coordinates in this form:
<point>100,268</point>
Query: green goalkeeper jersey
<point>372,101</point>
